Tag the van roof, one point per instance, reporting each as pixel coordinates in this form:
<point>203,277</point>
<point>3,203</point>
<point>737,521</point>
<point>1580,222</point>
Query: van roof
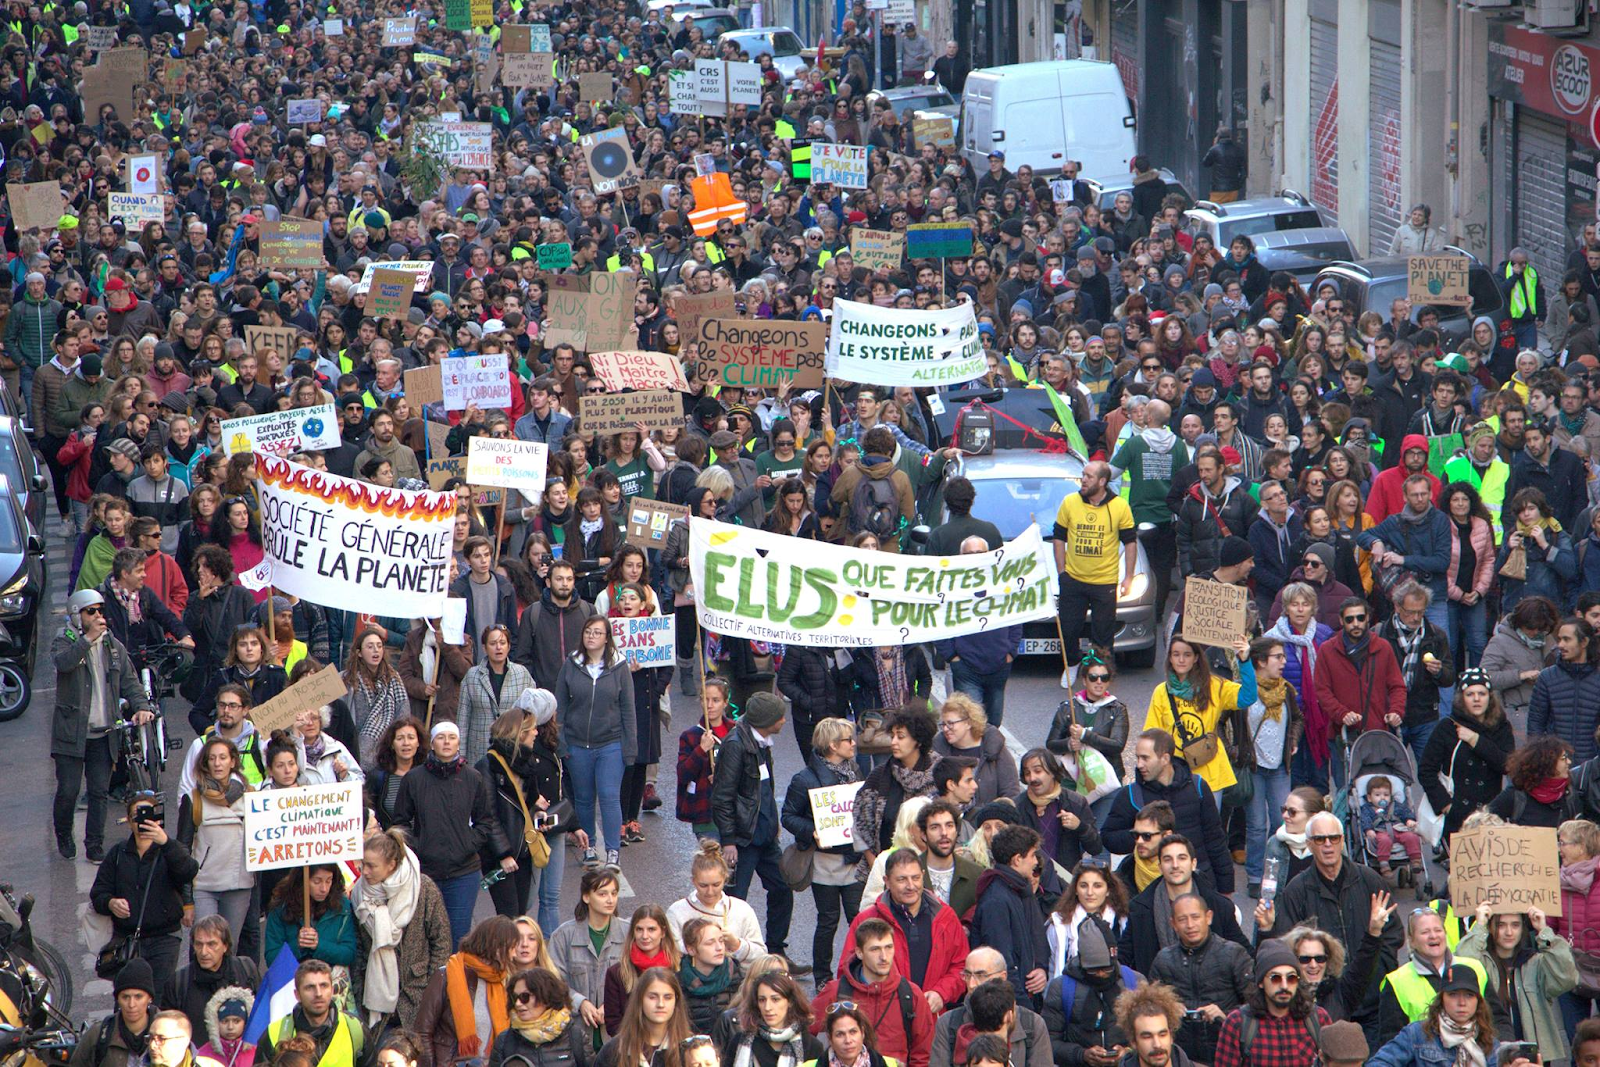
<point>1052,66</point>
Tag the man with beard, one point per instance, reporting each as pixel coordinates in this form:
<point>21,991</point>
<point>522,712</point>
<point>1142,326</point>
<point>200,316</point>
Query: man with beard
<point>383,444</point>
<point>1418,538</point>
<point>549,630</point>
<point>1555,472</point>
<point>1513,422</point>
<point>949,877</point>
<point>1215,508</point>
<point>1279,1022</point>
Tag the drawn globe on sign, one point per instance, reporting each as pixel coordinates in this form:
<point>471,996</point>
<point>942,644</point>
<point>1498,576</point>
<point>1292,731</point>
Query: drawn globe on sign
<point>609,160</point>
<point>1435,286</point>
<point>312,427</point>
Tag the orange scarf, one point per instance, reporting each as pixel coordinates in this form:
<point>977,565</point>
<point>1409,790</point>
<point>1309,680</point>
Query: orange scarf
<point>461,1012</point>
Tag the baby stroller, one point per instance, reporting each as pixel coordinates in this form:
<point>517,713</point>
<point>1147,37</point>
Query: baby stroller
<point>1380,752</point>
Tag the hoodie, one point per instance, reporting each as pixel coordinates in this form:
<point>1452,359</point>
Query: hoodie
<point>1387,496</point>
<point>1150,459</point>
<point>880,1001</point>
<point>135,320</point>
<point>876,468</point>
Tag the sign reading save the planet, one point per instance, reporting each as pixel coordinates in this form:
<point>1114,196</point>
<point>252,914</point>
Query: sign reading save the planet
<point>1438,279</point>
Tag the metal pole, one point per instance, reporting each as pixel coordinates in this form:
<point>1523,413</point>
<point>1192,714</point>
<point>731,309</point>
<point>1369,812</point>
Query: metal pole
<point>877,49</point>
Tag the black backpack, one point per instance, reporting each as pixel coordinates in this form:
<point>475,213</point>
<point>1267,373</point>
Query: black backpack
<point>875,508</point>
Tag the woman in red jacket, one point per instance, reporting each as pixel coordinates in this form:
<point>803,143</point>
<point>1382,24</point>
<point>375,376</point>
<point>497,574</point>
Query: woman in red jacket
<point>1579,921</point>
<point>76,455</point>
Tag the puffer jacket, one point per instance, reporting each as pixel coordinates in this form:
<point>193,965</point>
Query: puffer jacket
<point>1540,973</point>
<point>29,331</point>
<point>1565,697</point>
<point>566,1049</point>
<point>796,813</point>
<point>1217,971</point>
<point>1484,569</point>
<point>1199,523</point>
<point>1579,921</point>
<point>1093,1020</point>
<point>1505,657</point>
<point>597,711</point>
<point>1550,574</point>
<point>997,767</point>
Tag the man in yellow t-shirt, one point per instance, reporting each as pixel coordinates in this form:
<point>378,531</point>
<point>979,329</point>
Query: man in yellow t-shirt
<point>1091,525</point>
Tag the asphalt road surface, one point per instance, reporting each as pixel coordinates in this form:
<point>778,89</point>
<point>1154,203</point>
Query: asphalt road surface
<point>656,870</point>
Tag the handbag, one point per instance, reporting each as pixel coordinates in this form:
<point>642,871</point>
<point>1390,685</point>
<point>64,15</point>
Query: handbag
<point>1516,565</point>
<point>796,865</point>
<point>1588,972</point>
<point>1243,790</point>
<point>871,738</point>
<point>538,847</point>
<point>120,950</point>
<point>1197,751</point>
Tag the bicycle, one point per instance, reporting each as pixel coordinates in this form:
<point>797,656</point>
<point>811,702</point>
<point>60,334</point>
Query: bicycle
<point>35,986</point>
<point>163,669</point>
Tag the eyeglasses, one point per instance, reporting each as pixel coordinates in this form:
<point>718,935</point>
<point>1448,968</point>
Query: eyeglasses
<point>975,976</point>
<point>1287,810</point>
<point>1143,836</point>
<point>1361,617</point>
<point>1309,960</point>
<point>1292,978</point>
<point>1323,839</point>
<point>166,1039</point>
<point>950,723</point>
<point>229,704</point>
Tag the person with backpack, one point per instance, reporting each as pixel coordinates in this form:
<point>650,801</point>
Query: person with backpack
<point>874,496</point>
<point>874,984</point>
<point>1280,1023</point>
<point>1080,1004</point>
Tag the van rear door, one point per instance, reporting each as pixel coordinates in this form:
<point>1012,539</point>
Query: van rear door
<point>1029,114</point>
<point>976,119</point>
<point>1093,119</point>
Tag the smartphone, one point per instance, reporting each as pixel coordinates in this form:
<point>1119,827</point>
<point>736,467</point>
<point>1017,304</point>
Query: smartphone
<point>544,821</point>
<point>1518,1050</point>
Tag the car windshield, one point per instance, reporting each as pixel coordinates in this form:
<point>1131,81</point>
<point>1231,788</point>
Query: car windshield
<point>785,44</point>
<point>922,102</point>
<point>1228,229</point>
<point>11,467</point>
<point>1321,251</point>
<point>1011,503</point>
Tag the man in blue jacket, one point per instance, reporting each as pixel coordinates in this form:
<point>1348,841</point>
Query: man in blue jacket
<point>1555,472</point>
<point>1008,918</point>
<point>1417,538</point>
<point>980,662</point>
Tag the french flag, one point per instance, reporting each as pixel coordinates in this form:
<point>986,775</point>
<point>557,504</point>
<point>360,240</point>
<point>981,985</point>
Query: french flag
<point>275,998</point>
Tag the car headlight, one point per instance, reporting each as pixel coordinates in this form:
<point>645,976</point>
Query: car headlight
<point>1137,587</point>
<point>17,586</point>
<point>13,604</point>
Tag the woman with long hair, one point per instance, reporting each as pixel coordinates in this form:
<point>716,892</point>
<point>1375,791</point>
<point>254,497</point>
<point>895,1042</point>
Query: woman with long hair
<point>1091,718</point>
<point>1346,504</point>
<point>792,513</point>
<point>1531,966</point>
<point>377,695</point>
<point>1469,750</point>
<point>649,943</point>
<point>532,950</point>
<point>405,930</point>
<point>1336,981</point>
<point>1550,562</point>
<point>586,946</point>
<point>510,768</point>
<point>1472,568</point>
<point>249,662</point>
<point>211,826</point>
<point>546,771</point>
<point>542,1029</point>
<point>774,1025</point>
<point>834,887</point>
<point>630,564</point>
<point>468,992</point>
<point>650,686</point>
<point>594,697</point>
<point>851,1037</point>
<point>654,1025</point>
<point>329,934</point>
<point>1194,705</point>
<point>908,773</point>
<point>1458,1029</point>
<point>399,749</point>
<point>1093,891</point>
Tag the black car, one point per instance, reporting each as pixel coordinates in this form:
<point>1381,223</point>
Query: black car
<point>22,592</point>
<point>1375,284</point>
<point>20,469</point>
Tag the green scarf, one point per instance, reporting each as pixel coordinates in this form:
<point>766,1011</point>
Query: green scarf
<point>696,984</point>
<point>1179,690</point>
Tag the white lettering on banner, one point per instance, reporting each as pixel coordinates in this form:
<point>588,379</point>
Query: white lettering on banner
<point>136,209</point>
<point>480,380</point>
<point>844,165</point>
<point>340,542</point>
<point>646,640</point>
<point>301,826</point>
<point>278,433</point>
<point>752,584</point>
<point>833,812</point>
<point>507,462</point>
<point>462,144</point>
<point>894,346</point>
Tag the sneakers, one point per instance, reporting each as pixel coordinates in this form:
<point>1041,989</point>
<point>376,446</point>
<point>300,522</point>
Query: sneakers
<point>64,845</point>
<point>632,833</point>
<point>95,853</point>
<point>612,861</point>
<point>652,802</point>
<point>591,859</point>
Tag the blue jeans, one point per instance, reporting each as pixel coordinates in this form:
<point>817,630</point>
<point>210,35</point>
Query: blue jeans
<point>1303,770</point>
<point>1438,613</point>
<point>1262,818</point>
<point>597,772</point>
<point>549,881</point>
<point>1526,333</point>
<point>1467,629</point>
<point>763,860</point>
<point>1416,739</point>
<point>460,898</point>
<point>987,689</point>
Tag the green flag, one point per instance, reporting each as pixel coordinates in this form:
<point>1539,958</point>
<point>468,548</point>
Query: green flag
<point>1069,425</point>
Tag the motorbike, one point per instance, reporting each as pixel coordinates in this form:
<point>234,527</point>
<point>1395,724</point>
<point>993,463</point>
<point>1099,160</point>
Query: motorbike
<point>36,1029</point>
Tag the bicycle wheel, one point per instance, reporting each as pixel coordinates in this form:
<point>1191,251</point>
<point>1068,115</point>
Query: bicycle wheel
<point>54,967</point>
<point>155,747</point>
<point>16,691</point>
<point>139,779</point>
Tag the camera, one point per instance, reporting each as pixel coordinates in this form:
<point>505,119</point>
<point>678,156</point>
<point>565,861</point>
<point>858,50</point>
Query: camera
<point>545,821</point>
<point>149,813</point>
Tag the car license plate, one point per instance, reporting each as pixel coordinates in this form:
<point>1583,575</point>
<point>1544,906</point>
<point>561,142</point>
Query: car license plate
<point>1040,646</point>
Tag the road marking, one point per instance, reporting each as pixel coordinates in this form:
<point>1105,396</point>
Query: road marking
<point>1013,746</point>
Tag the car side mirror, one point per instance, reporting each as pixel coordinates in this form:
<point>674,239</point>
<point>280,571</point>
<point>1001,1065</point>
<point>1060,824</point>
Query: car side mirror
<point>38,484</point>
<point>35,545</point>
<point>921,535</point>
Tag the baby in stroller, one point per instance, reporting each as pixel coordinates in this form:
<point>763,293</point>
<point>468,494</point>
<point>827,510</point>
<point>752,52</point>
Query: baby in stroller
<point>1386,821</point>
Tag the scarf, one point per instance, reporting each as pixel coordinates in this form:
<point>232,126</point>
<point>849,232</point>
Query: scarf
<point>316,750</point>
<point>385,910</point>
<point>461,1008</point>
<point>129,599</point>
<point>1550,790</point>
<point>590,527</point>
<point>1462,1038</point>
<point>1573,424</point>
<point>1295,843</point>
<point>546,1028</point>
<point>696,984</point>
<point>791,1038</point>
<point>138,1044</point>
<point>1145,871</point>
<point>863,1060</point>
<point>893,688</point>
<point>1410,649</point>
<point>643,961</point>
<point>1532,644</point>
<point>1269,731</point>
<point>222,794</point>
<point>1273,694</point>
<point>1180,690</point>
<point>1165,934</point>
<point>1305,646</point>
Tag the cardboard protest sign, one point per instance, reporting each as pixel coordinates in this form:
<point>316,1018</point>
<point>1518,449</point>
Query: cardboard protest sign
<point>646,640</point>
<point>590,312</point>
<point>292,244</point>
<point>130,61</point>
<point>1438,280</point>
<point>485,62</point>
<point>35,205</point>
<point>744,83</point>
<point>458,15</point>
<point>174,75</point>
<point>303,825</point>
<point>304,111</point>
<point>507,462</point>
<point>833,811</point>
<point>1213,612</point>
<point>282,339</point>
<point>635,369</point>
<point>527,70</point>
<point>309,693</point>
<point>482,12</point>
<point>390,294</point>
<point>610,160</point>
<point>877,250</point>
<point>423,386</point>
<point>442,470</point>
<point>480,380</point>
<point>894,346</point>
<point>938,240</point>
<point>436,59</point>
<point>594,88</point>
<point>658,409</point>
<point>194,40</point>
<point>554,257</point>
<point>515,38</point>
<point>649,521</point>
<point>844,165</point>
<point>399,33</point>
<point>762,352</point>
<point>1514,868</point>
<point>135,209</point>
<point>690,309</point>
<point>278,433</point>
<point>339,542</point>
<point>750,582</point>
<point>420,269</point>
<point>932,128</point>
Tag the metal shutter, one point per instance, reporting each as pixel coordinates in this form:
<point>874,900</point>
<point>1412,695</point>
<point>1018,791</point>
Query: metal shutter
<point>1385,210</point>
<point>1125,46</point>
<point>1541,191</point>
<point>1325,115</point>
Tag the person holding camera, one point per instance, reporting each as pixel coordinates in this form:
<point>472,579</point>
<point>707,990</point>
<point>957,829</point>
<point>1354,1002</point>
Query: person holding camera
<point>141,883</point>
<point>93,674</point>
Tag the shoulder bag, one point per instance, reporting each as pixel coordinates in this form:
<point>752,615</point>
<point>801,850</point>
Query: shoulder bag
<point>1197,751</point>
<point>538,847</point>
<point>116,953</point>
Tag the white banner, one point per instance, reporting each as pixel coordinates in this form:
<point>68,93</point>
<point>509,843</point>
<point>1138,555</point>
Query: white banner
<point>833,812</point>
<point>301,826</point>
<point>508,463</point>
<point>135,209</point>
<point>344,543</point>
<point>893,346</point>
<point>278,433</point>
<point>480,380</point>
<point>753,584</point>
<point>462,144</point>
<point>844,165</point>
<point>646,640</point>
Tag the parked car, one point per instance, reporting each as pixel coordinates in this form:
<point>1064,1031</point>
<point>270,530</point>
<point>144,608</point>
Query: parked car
<point>22,593</point>
<point>1289,232</point>
<point>779,42</point>
<point>1045,113</point>
<point>1106,189</point>
<point>1375,284</point>
<point>20,469</point>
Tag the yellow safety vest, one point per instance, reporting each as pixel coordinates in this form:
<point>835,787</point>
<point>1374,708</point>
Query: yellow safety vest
<point>1491,488</point>
<point>1524,293</point>
<point>343,1050</point>
<point>614,263</point>
<point>1416,994</point>
<point>251,764</point>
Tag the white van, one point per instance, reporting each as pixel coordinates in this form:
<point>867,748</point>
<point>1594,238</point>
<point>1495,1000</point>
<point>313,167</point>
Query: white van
<point>1043,114</point>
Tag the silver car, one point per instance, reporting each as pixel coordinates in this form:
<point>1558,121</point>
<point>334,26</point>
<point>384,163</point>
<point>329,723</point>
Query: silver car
<point>1017,487</point>
<point>1289,232</point>
<point>779,42</point>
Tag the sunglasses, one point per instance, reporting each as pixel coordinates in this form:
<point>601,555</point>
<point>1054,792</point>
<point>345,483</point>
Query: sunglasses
<point>1309,960</point>
<point>1145,836</point>
<point>1098,676</point>
<point>1362,617</point>
<point>1290,979</point>
<point>91,609</point>
<point>522,998</point>
<point>1312,562</point>
<point>1323,839</point>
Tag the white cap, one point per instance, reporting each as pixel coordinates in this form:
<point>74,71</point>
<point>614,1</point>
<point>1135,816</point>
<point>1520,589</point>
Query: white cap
<point>444,726</point>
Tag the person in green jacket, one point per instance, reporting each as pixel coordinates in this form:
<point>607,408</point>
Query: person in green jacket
<point>331,935</point>
<point>1535,964</point>
<point>30,330</point>
<point>103,546</point>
